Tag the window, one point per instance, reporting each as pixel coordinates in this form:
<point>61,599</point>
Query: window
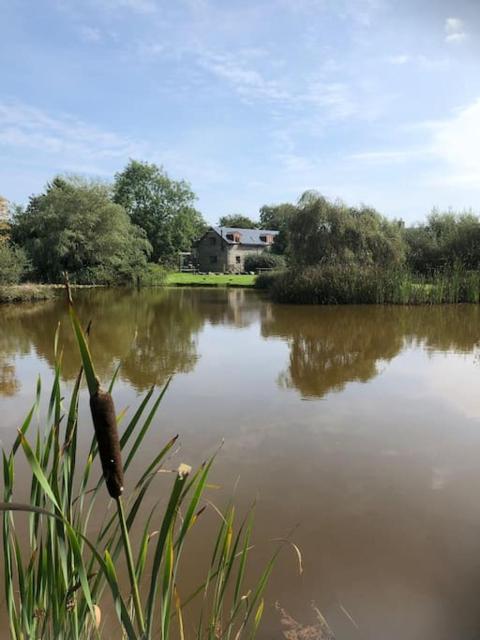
<point>213,259</point>
<point>213,240</point>
<point>267,238</point>
<point>233,237</point>
<point>238,259</point>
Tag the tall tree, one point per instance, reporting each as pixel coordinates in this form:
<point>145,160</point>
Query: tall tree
<point>278,217</point>
<point>74,226</point>
<point>237,221</point>
<point>330,232</point>
<point>162,207</point>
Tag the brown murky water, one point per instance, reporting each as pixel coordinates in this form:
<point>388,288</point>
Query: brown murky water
<point>361,425</point>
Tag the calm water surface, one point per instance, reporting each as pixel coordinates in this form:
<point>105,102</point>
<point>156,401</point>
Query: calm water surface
<point>361,425</point>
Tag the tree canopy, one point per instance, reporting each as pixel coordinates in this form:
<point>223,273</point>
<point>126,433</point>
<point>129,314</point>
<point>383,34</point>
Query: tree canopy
<point>445,241</point>
<point>324,232</point>
<point>74,226</point>
<point>278,217</point>
<point>162,207</point>
<point>238,220</point>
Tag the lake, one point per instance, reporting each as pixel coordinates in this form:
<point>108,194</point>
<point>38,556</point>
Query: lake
<point>356,427</point>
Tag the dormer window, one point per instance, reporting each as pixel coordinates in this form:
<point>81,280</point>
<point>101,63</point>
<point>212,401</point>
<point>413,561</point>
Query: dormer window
<point>233,237</point>
<point>267,238</point>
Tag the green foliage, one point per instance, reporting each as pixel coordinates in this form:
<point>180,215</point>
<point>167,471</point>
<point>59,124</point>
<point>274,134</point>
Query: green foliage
<point>13,263</point>
<point>265,260</point>
<point>75,227</point>
<point>153,276</point>
<point>58,563</point>
<point>162,207</point>
<point>277,216</point>
<point>332,233</point>
<point>447,240</point>
<point>352,284</point>
<point>237,221</point>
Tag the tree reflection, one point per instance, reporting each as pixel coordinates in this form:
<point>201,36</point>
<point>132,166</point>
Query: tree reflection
<point>152,333</point>
<point>331,346</point>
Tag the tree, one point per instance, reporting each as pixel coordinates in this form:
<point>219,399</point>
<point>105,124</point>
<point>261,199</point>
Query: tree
<point>447,240</point>
<point>238,221</point>
<point>162,207</point>
<point>323,232</point>
<point>74,226</point>
<point>277,217</point>
<point>13,263</point>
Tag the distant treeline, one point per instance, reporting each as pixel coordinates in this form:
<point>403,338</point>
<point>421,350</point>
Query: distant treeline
<point>113,233</point>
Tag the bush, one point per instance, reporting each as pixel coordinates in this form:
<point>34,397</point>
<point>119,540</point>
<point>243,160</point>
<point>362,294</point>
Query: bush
<point>153,276</point>
<point>267,280</point>
<point>264,261</point>
<point>13,263</point>
<point>367,285</point>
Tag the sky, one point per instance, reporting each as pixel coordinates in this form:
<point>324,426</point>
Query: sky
<point>252,102</point>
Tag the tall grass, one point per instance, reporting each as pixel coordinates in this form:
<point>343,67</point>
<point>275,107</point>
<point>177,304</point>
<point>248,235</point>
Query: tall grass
<point>359,285</point>
<point>59,565</point>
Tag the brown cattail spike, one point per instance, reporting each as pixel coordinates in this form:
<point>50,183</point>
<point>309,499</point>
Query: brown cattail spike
<point>106,432</point>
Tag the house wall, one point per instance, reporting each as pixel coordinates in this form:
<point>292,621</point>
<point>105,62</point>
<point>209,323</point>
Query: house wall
<point>211,253</point>
<point>214,254</point>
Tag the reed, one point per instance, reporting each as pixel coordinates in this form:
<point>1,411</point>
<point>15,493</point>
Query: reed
<point>341,284</point>
<point>59,566</point>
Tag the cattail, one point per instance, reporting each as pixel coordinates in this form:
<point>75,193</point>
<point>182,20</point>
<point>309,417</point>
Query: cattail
<point>105,423</point>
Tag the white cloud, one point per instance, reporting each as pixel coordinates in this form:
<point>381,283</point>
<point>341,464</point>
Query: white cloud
<point>452,144</point>
<point>90,34</point>
<point>399,59</point>
<point>456,141</point>
<point>138,6</point>
<point>248,82</point>
<point>454,30</point>
<point>30,128</point>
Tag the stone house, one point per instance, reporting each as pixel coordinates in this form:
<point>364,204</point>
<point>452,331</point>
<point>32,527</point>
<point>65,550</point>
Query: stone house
<point>224,249</point>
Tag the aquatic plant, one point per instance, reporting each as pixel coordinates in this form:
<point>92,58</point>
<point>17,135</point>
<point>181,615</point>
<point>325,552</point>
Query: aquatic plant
<point>342,284</point>
<point>58,563</point>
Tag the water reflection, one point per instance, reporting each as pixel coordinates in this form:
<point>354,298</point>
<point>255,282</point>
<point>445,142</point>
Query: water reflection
<point>152,333</point>
<point>331,346</point>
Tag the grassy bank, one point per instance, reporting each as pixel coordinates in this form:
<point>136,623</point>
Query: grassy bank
<point>355,285</point>
<point>26,292</point>
<point>31,292</point>
<point>210,280</point>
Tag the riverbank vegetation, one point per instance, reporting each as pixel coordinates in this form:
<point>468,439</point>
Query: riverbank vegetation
<point>338,255</point>
<point>133,232</point>
<point>63,550</point>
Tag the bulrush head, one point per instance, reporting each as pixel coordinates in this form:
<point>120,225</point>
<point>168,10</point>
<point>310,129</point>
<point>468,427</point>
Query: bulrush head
<point>106,432</point>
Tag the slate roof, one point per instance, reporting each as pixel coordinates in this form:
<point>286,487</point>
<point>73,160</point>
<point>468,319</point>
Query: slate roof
<point>247,236</point>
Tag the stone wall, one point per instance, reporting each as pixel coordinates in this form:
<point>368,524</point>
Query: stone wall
<point>215,254</point>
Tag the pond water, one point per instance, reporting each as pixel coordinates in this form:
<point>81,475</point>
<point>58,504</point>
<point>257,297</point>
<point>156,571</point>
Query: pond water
<point>359,426</point>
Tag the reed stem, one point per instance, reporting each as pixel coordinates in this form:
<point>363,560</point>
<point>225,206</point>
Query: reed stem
<point>131,567</point>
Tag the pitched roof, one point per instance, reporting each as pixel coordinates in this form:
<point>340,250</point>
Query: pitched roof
<point>247,236</point>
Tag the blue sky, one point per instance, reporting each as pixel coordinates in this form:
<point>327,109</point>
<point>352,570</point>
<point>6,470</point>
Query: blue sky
<point>252,102</point>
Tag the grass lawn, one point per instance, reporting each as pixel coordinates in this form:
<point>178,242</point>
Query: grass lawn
<point>210,280</point>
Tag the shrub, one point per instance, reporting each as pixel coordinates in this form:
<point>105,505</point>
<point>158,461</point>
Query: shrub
<point>13,263</point>
<point>265,260</point>
<point>367,285</point>
<point>154,275</point>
